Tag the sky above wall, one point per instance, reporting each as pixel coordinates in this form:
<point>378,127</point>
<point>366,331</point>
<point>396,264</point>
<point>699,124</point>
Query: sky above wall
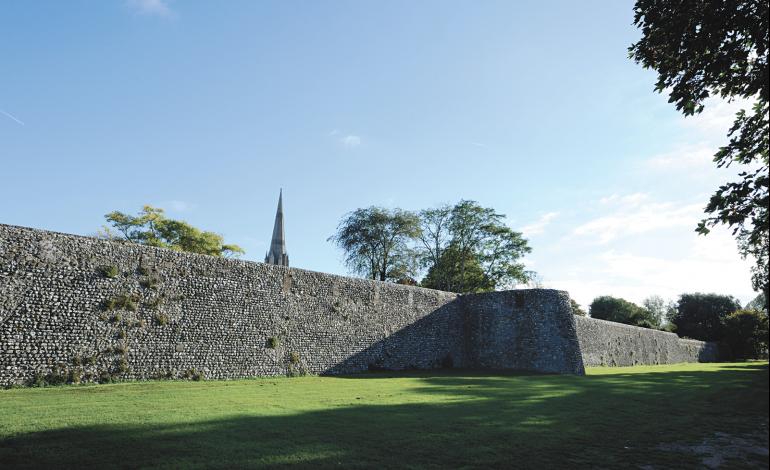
<point>208,108</point>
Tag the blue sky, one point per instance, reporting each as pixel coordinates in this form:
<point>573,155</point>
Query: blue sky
<point>207,108</point>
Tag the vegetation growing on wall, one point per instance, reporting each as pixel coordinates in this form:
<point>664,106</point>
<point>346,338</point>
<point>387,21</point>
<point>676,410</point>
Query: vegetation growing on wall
<point>151,227</point>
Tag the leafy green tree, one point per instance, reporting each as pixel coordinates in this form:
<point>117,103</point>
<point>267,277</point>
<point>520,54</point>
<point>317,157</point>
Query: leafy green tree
<point>376,242</point>
<point>151,227</point>
<point>468,248</point>
<point>657,309</point>
<point>703,48</point>
<point>453,274</point>
<point>576,308</point>
<point>702,316</point>
<point>746,332</point>
<point>758,303</point>
<point>621,311</point>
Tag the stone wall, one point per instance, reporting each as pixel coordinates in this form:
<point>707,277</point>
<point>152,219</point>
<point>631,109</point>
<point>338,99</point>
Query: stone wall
<point>605,343</point>
<point>100,310</point>
<point>532,329</point>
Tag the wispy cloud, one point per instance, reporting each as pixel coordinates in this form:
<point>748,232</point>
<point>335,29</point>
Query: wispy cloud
<point>635,214</point>
<point>347,140</point>
<point>151,7</point>
<point>537,227</point>
<point>698,157</point>
<point>11,116</point>
<point>350,140</point>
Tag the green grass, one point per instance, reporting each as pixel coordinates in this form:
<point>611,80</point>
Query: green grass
<point>614,417</point>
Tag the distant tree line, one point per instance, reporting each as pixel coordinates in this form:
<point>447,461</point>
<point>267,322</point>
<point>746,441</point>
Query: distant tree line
<point>459,248</point>
<point>742,332</point>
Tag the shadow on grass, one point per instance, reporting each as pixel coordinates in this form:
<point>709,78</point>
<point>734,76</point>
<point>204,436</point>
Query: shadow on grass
<point>476,420</point>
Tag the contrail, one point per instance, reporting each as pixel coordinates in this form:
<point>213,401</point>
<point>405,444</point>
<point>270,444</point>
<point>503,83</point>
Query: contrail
<point>12,117</point>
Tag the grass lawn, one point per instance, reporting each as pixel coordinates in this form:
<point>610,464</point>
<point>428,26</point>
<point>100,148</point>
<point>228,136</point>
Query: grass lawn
<point>614,417</point>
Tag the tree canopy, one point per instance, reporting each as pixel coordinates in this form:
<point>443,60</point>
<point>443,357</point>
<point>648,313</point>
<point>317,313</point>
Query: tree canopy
<point>703,48</point>
<point>151,227</point>
<point>468,248</point>
<point>376,242</point>
<point>702,316</point>
<point>621,311</point>
<point>460,248</point>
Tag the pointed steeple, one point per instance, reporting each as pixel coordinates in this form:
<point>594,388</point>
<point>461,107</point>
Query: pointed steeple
<point>277,254</point>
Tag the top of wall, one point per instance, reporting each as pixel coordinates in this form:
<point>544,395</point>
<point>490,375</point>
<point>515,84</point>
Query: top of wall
<point>6,229</point>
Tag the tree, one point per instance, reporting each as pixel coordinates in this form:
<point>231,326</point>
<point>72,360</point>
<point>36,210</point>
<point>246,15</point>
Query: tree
<point>151,227</point>
<point>576,308</point>
<point>719,48</point>
<point>657,309</point>
<point>621,311</point>
<point>484,251</point>
<point>434,240</point>
<point>449,275</point>
<point>376,242</point>
<point>746,332</point>
<point>757,303</point>
<point>702,316</point>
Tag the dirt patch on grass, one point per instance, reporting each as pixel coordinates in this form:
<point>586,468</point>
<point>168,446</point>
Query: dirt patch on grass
<point>720,450</point>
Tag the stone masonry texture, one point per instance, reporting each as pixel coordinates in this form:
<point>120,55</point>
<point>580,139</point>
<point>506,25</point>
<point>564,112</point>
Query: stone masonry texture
<point>110,310</point>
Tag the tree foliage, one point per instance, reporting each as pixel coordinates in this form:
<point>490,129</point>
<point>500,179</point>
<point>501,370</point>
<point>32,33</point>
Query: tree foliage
<point>376,242</point>
<point>703,48</point>
<point>151,227</point>
<point>746,332</point>
<point>702,316</point>
<point>621,311</point>
<point>576,310</point>
<point>468,248</point>
<point>461,248</point>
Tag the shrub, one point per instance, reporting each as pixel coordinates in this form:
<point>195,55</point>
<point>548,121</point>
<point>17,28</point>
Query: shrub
<point>150,282</point>
<point>121,334</point>
<point>161,319</point>
<point>121,302</point>
<point>109,271</point>
<point>117,318</point>
<point>193,374</point>
<point>143,270</point>
<point>273,342</point>
<point>121,366</point>
<point>105,377</point>
<point>77,360</point>
<point>294,357</point>
<point>746,333</point>
<point>120,349</point>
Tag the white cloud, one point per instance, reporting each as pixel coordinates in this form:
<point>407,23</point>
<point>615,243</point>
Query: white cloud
<point>716,118</point>
<point>626,200</point>
<point>537,227</point>
<point>698,157</point>
<point>711,265</point>
<point>350,141</point>
<point>634,216</point>
<point>151,7</point>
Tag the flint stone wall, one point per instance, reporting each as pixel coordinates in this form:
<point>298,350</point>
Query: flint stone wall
<point>605,343</point>
<point>233,319</point>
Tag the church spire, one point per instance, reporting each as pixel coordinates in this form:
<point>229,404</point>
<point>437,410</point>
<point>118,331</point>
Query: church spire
<point>277,254</point>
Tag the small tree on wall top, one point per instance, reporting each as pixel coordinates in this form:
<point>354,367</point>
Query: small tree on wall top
<point>151,227</point>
